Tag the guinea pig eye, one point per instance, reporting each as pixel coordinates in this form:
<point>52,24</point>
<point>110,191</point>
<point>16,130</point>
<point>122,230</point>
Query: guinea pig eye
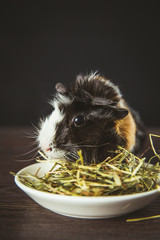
<point>78,121</point>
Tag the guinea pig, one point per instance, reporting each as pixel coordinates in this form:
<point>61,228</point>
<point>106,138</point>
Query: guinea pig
<point>90,115</point>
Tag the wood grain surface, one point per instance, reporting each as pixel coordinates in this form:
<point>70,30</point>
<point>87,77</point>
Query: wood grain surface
<point>22,218</point>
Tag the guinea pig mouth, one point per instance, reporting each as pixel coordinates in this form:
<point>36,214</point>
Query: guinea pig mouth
<point>55,154</point>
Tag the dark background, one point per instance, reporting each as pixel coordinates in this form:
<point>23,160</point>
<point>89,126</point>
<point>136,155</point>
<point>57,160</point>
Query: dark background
<point>44,42</point>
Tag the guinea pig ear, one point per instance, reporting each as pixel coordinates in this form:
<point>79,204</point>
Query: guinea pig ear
<point>60,88</point>
<point>119,113</point>
<point>110,113</point>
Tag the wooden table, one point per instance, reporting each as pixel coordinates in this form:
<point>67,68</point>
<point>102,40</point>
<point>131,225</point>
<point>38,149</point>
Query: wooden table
<point>22,218</point>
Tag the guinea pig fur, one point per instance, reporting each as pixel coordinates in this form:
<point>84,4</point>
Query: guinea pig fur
<point>90,115</point>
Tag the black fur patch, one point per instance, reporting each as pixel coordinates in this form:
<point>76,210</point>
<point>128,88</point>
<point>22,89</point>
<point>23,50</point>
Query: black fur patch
<point>97,102</point>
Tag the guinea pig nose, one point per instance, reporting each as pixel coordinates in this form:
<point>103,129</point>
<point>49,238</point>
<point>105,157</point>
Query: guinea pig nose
<point>48,149</point>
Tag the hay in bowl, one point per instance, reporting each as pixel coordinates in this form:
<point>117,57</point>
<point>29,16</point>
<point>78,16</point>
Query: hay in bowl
<point>83,206</point>
<point>116,186</point>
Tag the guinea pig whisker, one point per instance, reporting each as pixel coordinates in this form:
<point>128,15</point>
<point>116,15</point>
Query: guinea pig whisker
<point>70,155</point>
<point>31,151</point>
<point>32,144</point>
<point>35,128</point>
<point>31,137</point>
<point>31,133</point>
<point>85,145</point>
<point>67,157</point>
<point>98,145</point>
<point>25,160</point>
<point>73,155</point>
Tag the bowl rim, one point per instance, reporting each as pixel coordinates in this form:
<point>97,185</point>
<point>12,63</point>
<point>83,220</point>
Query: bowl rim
<point>53,195</point>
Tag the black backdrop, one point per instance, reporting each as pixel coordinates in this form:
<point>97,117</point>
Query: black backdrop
<point>44,42</point>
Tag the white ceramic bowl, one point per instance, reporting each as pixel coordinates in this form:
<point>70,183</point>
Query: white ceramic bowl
<point>84,207</point>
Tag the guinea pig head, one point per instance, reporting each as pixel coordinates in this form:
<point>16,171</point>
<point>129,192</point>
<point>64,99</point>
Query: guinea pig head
<point>79,121</point>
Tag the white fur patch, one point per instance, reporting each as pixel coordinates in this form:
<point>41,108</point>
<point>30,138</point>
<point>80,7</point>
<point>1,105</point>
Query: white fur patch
<point>61,99</point>
<point>47,132</point>
<point>64,99</point>
<point>93,75</point>
<point>121,104</point>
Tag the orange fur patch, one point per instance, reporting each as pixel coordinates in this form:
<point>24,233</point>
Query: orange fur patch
<point>126,128</point>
